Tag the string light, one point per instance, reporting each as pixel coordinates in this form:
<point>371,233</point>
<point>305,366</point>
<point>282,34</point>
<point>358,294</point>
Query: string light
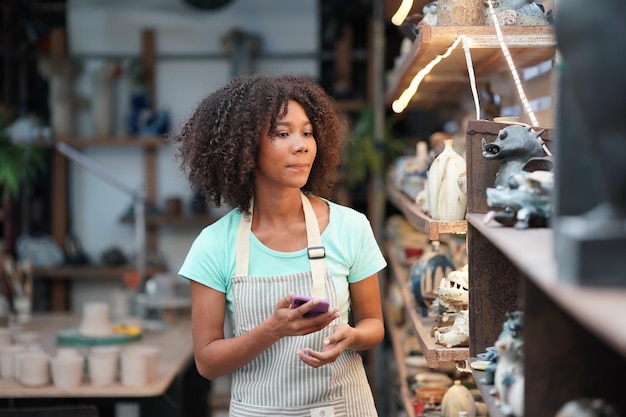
<point>472,76</point>
<point>402,12</point>
<point>400,104</point>
<point>511,64</point>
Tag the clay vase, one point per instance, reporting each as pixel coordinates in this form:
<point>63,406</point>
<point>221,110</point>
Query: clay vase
<point>426,275</point>
<point>457,399</point>
<point>447,198</point>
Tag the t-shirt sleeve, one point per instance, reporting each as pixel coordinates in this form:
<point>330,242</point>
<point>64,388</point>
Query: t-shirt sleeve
<point>205,261</point>
<point>368,258</point>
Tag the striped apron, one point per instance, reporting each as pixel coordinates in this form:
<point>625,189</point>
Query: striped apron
<point>277,382</point>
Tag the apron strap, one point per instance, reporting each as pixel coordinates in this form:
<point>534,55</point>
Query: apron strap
<point>243,243</point>
<point>315,250</point>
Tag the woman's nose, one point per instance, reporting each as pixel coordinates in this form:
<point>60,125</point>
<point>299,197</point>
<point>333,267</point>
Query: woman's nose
<point>301,145</point>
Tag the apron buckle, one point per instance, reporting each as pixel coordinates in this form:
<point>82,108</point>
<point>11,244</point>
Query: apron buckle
<point>316,252</point>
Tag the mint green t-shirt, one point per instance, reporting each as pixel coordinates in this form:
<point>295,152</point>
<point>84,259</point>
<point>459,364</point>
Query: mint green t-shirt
<point>352,254</point>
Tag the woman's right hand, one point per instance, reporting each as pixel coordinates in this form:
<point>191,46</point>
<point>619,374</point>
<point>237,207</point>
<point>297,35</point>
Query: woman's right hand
<point>289,321</point>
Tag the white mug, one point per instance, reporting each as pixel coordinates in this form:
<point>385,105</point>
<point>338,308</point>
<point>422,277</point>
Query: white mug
<point>134,368</point>
<point>33,368</point>
<point>7,360</point>
<point>67,370</point>
<point>102,368</point>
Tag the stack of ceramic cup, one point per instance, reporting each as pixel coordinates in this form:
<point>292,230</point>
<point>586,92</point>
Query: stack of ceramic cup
<point>22,358</point>
<point>139,365</point>
<point>103,365</point>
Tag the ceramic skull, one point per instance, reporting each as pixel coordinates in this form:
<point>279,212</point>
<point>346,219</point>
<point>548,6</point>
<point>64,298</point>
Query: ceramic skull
<point>453,290</point>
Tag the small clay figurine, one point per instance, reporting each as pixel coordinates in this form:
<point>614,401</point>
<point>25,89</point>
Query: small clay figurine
<point>510,367</point>
<point>527,202</point>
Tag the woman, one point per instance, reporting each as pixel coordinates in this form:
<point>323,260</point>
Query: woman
<point>269,147</point>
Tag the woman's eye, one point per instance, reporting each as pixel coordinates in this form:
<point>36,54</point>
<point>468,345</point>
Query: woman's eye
<point>307,134</point>
<point>282,134</point>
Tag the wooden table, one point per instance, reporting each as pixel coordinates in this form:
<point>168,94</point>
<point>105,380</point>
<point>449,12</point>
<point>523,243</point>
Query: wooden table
<point>177,383</point>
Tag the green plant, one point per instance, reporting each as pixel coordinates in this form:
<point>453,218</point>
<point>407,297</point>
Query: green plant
<point>18,164</point>
<point>363,156</point>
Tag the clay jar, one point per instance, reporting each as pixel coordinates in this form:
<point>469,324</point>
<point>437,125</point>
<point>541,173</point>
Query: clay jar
<point>447,198</point>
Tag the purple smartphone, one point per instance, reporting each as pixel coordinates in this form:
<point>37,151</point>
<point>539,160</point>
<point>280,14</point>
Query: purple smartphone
<point>298,300</point>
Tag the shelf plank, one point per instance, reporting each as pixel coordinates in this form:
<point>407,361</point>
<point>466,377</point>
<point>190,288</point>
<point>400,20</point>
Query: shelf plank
<point>167,220</point>
<point>87,272</point>
<point>423,223</point>
<point>131,141</point>
<point>528,45</point>
<point>532,252</point>
<point>396,343</point>
<point>485,391</point>
<point>433,352</point>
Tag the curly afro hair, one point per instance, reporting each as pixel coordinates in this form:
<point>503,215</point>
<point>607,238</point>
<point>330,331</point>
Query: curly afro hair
<point>220,141</point>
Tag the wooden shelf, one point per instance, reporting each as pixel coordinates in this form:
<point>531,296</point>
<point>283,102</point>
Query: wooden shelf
<point>532,252</point>
<point>423,223</point>
<point>139,141</point>
<point>574,344</point>
<point>433,352</point>
<point>528,45</point>
<point>87,272</point>
<point>182,221</point>
<point>485,392</point>
<point>396,341</point>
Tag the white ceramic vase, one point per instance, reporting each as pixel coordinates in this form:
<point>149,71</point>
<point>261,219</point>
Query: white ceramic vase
<point>447,199</point>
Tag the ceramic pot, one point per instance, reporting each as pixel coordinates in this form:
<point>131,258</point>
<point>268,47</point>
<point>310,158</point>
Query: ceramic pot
<point>447,199</point>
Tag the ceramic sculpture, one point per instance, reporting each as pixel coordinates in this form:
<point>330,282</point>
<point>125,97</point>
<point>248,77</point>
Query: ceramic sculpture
<point>516,13</point>
<point>510,366</point>
<point>447,199</point>
<point>456,400</point>
<point>527,202</point>
<point>518,148</point>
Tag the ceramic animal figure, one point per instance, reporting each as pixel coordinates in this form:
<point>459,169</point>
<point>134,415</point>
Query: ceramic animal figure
<point>527,202</point>
<point>518,148</point>
<point>510,365</point>
<point>515,13</point>
<point>587,407</point>
<point>457,334</point>
<point>430,15</point>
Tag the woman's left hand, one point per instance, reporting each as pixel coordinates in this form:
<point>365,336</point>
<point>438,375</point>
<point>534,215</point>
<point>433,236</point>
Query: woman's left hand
<point>334,345</point>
